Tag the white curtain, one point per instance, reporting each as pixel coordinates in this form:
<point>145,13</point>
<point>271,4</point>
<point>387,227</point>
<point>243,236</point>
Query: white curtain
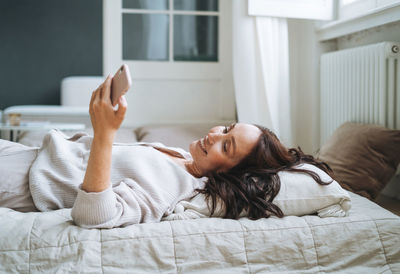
<point>261,71</point>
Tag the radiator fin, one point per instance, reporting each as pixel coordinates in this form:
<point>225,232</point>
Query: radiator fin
<point>360,85</point>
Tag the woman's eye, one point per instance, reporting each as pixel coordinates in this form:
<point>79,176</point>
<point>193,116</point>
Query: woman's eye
<point>225,130</point>
<point>225,149</point>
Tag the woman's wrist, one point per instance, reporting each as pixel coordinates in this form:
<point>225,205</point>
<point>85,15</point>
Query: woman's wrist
<point>104,136</point>
<point>98,171</point>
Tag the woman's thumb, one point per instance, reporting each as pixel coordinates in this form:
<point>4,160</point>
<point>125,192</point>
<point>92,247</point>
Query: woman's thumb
<point>122,106</point>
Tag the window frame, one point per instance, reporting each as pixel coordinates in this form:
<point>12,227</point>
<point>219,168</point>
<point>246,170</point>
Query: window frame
<point>360,7</point>
<point>359,18</point>
<point>112,46</point>
<point>354,8</point>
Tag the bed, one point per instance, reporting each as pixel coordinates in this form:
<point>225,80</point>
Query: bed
<point>365,241</point>
<point>368,240</point>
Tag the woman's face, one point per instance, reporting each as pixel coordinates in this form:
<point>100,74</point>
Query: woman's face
<point>223,147</point>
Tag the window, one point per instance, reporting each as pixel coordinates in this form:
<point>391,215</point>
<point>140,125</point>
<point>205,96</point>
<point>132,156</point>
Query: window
<point>170,30</point>
<point>357,15</point>
<point>168,39</point>
<point>353,8</point>
<point>307,9</point>
<point>347,2</point>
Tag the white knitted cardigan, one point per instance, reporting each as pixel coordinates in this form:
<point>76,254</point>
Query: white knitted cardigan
<point>145,183</point>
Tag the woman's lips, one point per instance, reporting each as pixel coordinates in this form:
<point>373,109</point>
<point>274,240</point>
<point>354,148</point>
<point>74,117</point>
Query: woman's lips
<point>202,146</point>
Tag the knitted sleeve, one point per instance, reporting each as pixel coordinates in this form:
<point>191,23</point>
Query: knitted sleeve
<point>121,205</point>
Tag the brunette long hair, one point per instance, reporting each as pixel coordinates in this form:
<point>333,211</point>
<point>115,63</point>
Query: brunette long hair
<point>252,185</point>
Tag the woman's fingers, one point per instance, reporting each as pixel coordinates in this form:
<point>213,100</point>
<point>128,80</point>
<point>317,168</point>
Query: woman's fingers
<point>100,88</point>
<point>103,117</point>
<point>122,106</point>
<point>106,89</point>
<point>92,99</point>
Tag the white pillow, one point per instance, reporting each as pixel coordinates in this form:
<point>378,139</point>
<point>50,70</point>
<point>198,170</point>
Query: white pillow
<point>299,195</point>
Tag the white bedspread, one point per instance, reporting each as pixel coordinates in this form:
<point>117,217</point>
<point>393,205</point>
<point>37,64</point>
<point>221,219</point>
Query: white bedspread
<point>367,241</point>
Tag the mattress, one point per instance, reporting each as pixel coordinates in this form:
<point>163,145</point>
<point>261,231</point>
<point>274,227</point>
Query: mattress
<point>367,241</point>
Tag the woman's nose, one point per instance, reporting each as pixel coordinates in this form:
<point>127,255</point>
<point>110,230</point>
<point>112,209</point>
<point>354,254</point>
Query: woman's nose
<point>213,137</point>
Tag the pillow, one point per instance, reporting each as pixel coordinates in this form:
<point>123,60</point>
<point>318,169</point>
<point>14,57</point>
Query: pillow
<point>172,136</point>
<point>299,195</point>
<point>363,157</point>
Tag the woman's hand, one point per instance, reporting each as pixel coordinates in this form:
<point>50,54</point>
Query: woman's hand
<point>105,120</point>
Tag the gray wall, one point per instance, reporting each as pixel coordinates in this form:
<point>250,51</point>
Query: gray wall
<point>388,32</point>
<point>43,41</point>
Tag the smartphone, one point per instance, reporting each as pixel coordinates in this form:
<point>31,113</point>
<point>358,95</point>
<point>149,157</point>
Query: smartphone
<point>120,83</point>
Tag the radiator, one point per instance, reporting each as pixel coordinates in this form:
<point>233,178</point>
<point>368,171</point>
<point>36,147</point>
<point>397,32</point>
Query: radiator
<point>360,85</point>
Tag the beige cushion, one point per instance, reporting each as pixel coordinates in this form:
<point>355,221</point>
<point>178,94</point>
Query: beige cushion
<point>363,157</point>
<point>173,136</point>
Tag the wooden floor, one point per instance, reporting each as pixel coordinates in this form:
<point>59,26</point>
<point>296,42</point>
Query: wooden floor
<point>389,203</point>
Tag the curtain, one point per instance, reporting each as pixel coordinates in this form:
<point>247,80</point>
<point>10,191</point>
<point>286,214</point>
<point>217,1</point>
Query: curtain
<point>261,71</point>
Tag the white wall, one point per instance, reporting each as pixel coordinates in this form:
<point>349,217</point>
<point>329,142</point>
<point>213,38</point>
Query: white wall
<point>304,79</point>
<point>388,32</point>
<point>304,51</point>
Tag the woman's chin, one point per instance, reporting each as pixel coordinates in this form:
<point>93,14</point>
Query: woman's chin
<point>192,147</point>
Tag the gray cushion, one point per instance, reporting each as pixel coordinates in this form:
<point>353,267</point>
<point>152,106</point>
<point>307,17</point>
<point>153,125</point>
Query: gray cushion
<point>34,138</point>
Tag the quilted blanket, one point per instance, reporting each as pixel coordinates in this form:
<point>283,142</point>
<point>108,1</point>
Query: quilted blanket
<point>367,241</point>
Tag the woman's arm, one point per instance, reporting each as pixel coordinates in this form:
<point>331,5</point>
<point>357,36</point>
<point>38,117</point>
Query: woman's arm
<point>105,121</point>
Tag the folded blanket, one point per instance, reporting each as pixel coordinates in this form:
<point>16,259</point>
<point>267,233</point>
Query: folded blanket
<point>299,195</point>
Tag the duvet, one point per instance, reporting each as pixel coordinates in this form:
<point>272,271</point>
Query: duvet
<point>367,241</point>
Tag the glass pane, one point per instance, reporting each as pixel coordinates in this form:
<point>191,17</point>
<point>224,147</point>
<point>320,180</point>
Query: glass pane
<point>203,5</point>
<point>146,4</point>
<point>145,36</point>
<point>195,38</point>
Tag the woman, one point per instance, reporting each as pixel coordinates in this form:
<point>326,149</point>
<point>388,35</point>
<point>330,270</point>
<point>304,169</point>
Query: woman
<point>134,183</point>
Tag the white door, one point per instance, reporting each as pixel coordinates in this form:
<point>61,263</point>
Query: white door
<point>179,53</point>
